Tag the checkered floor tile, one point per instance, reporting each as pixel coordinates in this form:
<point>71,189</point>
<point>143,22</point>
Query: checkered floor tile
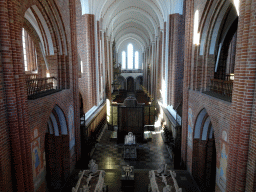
<point>109,155</point>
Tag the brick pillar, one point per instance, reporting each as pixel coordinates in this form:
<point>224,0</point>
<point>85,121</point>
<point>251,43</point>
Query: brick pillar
<point>145,68</point>
<point>86,44</point>
<point>176,61</point>
<point>159,66</point>
<point>75,65</point>
<point>16,96</point>
<point>164,49</point>
<point>106,66</point>
<point>189,15</point>
<point>239,171</point>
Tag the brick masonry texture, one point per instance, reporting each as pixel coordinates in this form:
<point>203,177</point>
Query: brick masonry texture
<point>19,116</point>
<point>176,55</point>
<point>190,70</point>
<point>235,118</point>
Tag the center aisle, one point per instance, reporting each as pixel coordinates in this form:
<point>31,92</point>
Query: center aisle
<point>109,157</point>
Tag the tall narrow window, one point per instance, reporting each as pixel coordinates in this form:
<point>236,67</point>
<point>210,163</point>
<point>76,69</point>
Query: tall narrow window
<point>124,60</point>
<point>24,49</point>
<point>130,56</point>
<point>196,24</point>
<point>136,60</point>
<point>29,52</point>
<point>82,67</point>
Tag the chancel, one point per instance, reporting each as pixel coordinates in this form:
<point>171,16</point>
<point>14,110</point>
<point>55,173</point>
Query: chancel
<point>164,89</point>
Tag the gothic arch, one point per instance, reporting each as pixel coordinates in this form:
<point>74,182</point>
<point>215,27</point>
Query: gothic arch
<point>204,153</point>
<point>47,22</point>
<point>122,81</point>
<point>130,84</point>
<point>57,149</point>
<point>139,82</point>
<point>216,20</point>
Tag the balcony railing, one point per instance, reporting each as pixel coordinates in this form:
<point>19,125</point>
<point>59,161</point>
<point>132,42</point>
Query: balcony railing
<point>41,87</point>
<point>132,71</point>
<point>222,87</point>
<point>31,76</point>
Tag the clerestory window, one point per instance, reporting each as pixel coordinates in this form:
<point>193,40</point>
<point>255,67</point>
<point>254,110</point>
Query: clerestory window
<point>131,58</point>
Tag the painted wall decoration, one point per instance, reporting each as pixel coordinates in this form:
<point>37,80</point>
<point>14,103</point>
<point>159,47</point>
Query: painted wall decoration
<point>222,164</point>
<point>190,127</point>
<point>38,162</point>
<point>71,127</point>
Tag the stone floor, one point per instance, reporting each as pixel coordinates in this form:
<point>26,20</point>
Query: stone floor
<point>109,157</point>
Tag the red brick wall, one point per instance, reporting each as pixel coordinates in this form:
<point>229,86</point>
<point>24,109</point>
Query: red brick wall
<point>176,62</point>
<point>13,74</point>
<point>159,67</point>
<point>241,167</point>
<point>86,47</point>
<point>219,112</point>
<point>236,118</point>
<point>24,116</point>
<point>189,15</point>
<point>5,148</point>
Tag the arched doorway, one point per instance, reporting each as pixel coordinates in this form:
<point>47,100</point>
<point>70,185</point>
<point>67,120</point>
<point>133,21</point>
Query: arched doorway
<point>139,83</point>
<point>57,151</point>
<point>122,82</point>
<point>204,153</point>
<point>130,84</point>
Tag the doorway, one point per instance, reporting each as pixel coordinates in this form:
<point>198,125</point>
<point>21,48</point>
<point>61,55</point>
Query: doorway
<point>204,153</point>
<point>130,84</point>
<point>57,151</point>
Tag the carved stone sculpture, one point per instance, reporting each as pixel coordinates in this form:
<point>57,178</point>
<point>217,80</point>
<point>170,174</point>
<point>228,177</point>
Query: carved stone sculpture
<point>129,139</point>
<point>93,166</point>
<point>162,170</point>
<point>127,169</point>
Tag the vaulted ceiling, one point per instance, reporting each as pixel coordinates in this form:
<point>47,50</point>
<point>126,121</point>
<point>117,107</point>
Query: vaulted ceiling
<point>139,20</point>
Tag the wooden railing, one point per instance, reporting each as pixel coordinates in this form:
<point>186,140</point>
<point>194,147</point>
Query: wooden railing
<point>222,87</point>
<point>31,76</point>
<point>40,85</point>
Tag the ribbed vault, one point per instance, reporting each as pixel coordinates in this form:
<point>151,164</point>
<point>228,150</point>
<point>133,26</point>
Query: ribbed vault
<point>137,20</point>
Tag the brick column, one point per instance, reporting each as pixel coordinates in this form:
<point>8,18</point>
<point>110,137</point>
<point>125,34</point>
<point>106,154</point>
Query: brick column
<point>16,96</point>
<point>159,66</point>
<point>176,61</point>
<point>189,16</point>
<point>103,62</point>
<point>75,65</point>
<point>240,171</point>
<point>86,44</point>
<point>145,68</point>
<point>152,67</point>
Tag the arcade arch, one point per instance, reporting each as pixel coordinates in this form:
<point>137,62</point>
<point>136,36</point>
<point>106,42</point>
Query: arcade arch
<point>57,150</point>
<point>204,153</point>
